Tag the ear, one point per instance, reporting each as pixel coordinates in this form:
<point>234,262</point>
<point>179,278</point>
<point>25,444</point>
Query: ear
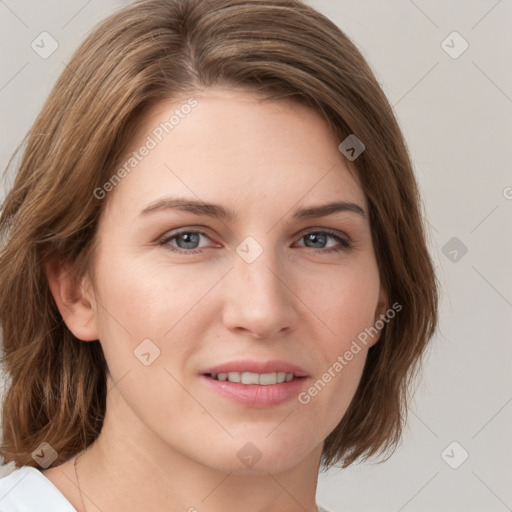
<point>73,298</point>
<point>380,310</point>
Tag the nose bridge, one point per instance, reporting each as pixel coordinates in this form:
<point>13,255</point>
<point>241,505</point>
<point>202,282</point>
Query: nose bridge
<point>260,274</point>
<point>257,270</point>
<point>256,298</point>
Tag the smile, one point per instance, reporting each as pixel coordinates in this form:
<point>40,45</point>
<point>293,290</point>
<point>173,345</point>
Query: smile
<point>261,379</point>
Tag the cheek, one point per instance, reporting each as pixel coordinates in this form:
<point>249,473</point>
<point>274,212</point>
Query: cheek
<point>346,306</point>
<point>150,308</point>
<point>143,311</point>
<point>146,299</point>
<point>345,302</point>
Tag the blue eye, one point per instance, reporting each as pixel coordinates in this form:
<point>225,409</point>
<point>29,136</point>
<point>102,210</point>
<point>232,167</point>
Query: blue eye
<point>188,241</point>
<point>187,238</point>
<point>322,236</point>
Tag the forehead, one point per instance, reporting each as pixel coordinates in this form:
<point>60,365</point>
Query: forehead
<point>231,147</point>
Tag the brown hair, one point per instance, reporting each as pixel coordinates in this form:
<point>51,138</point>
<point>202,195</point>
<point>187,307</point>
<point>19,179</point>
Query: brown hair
<point>154,50</point>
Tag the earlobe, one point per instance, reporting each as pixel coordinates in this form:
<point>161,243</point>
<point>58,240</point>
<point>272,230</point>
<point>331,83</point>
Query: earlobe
<point>73,300</point>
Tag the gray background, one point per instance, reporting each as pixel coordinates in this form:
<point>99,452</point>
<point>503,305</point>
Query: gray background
<point>456,116</point>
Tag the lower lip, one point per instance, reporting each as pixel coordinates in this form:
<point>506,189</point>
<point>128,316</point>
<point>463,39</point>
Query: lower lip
<point>253,395</point>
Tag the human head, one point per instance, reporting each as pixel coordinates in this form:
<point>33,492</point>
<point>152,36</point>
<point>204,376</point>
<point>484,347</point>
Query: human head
<point>145,54</point>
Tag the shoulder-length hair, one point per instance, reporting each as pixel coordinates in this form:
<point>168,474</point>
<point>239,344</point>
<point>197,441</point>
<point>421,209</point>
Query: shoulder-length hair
<point>154,50</point>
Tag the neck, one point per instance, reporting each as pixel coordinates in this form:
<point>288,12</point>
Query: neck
<point>128,470</point>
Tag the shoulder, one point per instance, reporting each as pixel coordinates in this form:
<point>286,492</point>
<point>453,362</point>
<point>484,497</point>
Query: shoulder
<point>27,490</point>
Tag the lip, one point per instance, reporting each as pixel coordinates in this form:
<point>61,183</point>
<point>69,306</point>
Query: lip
<point>252,366</point>
<point>255,395</point>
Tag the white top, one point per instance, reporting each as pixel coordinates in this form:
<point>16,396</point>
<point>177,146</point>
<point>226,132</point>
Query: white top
<point>27,490</point>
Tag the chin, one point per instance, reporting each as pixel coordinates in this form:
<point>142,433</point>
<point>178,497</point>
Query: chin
<point>257,455</point>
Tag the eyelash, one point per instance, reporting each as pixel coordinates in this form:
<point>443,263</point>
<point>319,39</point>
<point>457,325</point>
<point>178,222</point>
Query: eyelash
<point>346,245</point>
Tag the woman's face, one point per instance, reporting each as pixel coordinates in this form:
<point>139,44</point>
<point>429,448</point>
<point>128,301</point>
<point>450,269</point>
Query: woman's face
<point>185,291</point>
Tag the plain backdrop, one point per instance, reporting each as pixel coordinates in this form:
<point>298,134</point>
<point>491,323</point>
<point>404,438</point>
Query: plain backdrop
<point>452,94</point>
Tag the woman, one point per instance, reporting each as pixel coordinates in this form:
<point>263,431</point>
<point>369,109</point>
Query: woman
<point>214,280</point>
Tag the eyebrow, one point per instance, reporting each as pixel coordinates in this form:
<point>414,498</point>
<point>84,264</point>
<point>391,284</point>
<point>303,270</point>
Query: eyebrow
<point>220,212</point>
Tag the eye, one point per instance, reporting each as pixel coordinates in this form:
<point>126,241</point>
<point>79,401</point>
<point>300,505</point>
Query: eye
<point>188,241</point>
<point>321,237</point>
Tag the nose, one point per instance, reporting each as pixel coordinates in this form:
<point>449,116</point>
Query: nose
<point>258,298</point>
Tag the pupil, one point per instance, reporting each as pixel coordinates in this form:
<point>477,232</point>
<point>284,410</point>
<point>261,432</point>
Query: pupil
<point>315,238</point>
<point>189,238</point>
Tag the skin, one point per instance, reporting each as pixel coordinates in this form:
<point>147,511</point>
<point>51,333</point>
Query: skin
<point>169,442</point>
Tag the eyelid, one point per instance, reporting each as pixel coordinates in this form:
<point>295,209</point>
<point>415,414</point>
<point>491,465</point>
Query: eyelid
<point>174,233</point>
<point>203,230</point>
<point>317,229</point>
<point>343,239</point>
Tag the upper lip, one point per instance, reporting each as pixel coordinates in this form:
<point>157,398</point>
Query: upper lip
<point>247,365</point>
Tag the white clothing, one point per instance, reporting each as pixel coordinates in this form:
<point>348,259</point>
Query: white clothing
<point>27,490</point>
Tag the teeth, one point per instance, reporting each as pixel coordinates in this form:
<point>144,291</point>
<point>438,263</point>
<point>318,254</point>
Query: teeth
<point>234,377</point>
<point>263,379</point>
<point>252,378</point>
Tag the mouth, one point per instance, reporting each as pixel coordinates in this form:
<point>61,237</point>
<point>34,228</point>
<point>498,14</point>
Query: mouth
<point>256,384</point>
<point>250,378</point>
<point>253,372</point>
